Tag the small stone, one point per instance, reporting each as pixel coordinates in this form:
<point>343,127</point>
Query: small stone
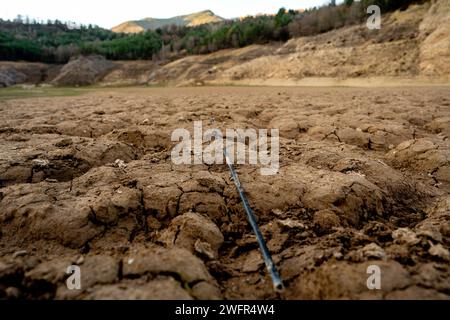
<point>43,163</point>
<point>338,255</point>
<point>20,253</point>
<point>120,164</point>
<point>277,212</point>
<point>304,235</point>
<point>204,249</point>
<point>373,250</point>
<point>80,260</point>
<point>439,251</point>
<point>291,224</point>
<point>405,235</point>
<point>12,293</point>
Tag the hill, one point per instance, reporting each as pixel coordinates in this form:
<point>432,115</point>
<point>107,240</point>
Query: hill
<point>190,20</point>
<point>58,43</point>
<point>411,45</point>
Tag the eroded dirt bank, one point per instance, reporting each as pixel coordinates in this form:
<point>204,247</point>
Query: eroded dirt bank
<point>364,179</point>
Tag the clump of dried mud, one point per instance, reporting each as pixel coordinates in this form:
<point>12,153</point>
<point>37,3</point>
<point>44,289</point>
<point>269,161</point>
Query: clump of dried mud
<point>364,180</point>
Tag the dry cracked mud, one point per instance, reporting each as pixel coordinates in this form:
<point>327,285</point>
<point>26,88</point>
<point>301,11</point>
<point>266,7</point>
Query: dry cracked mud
<point>364,180</point>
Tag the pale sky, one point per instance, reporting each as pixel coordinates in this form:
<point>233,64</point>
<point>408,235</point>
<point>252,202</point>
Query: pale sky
<point>110,13</point>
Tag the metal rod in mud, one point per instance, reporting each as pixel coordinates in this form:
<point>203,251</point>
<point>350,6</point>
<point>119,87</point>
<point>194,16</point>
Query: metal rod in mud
<point>276,280</point>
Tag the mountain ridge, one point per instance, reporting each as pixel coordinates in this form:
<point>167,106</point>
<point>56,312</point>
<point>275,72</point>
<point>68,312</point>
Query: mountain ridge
<point>190,20</point>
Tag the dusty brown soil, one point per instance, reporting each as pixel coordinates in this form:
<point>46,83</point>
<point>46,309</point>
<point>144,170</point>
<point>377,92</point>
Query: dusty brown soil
<point>364,179</point>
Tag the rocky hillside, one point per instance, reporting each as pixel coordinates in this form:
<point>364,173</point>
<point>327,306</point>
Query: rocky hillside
<point>190,20</point>
<point>412,45</point>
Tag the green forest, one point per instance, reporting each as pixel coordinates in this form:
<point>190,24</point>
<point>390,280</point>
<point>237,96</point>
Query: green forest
<point>57,42</point>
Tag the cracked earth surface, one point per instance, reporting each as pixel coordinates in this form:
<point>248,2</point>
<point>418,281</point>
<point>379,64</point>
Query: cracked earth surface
<point>364,179</point>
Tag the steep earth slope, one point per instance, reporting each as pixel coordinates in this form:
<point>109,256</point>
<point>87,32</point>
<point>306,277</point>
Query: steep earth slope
<point>413,43</point>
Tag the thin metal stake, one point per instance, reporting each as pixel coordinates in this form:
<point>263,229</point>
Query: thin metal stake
<point>276,280</point>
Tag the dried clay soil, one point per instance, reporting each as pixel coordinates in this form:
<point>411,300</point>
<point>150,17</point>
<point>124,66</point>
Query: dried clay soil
<point>364,180</point>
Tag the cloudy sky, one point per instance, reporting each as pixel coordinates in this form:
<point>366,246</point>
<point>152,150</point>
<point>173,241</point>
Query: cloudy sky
<point>108,13</point>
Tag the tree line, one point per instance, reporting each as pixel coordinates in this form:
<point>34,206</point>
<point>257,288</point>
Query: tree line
<point>57,42</point>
